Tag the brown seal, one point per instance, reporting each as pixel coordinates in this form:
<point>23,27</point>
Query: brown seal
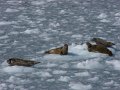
<point>61,50</point>
<point>103,42</point>
<point>21,62</point>
<point>98,48</point>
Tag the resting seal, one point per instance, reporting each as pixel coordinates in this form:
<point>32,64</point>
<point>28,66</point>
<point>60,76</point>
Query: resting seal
<point>98,48</point>
<point>100,41</point>
<point>61,50</point>
<point>21,62</point>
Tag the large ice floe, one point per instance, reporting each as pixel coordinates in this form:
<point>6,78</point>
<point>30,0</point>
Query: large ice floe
<point>64,68</point>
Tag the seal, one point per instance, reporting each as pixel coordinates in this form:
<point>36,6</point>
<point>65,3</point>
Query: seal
<point>98,48</point>
<point>103,42</point>
<point>61,50</point>
<point>21,62</point>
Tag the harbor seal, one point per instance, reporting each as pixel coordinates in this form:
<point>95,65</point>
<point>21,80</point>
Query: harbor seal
<point>21,62</point>
<point>103,42</point>
<point>98,48</point>
<point>61,50</point>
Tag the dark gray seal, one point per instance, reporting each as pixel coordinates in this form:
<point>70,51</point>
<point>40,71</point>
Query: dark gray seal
<point>21,62</point>
<point>103,42</point>
<point>98,48</point>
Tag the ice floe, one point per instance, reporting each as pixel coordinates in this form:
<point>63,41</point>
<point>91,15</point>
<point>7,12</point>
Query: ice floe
<point>79,86</point>
<point>64,78</point>
<point>75,52</point>
<point>115,64</point>
<point>18,69</point>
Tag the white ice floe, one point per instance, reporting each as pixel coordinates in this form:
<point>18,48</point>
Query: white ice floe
<point>43,74</point>
<point>6,23</point>
<point>77,36</point>
<point>18,69</point>
<point>16,80</point>
<point>102,16</point>
<point>59,72</point>
<point>51,65</point>
<point>64,78</point>
<point>10,10</point>
<point>4,37</point>
<point>75,52</point>
<point>109,83</point>
<point>80,86</point>
<point>3,86</point>
<point>114,64</point>
<point>42,2</point>
<point>32,31</point>
<point>89,64</point>
<point>94,79</point>
<point>83,74</point>
<point>117,14</point>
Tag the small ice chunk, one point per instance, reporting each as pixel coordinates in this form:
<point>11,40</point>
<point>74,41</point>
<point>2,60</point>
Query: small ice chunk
<point>32,31</point>
<point>114,63</point>
<point>102,16</point>
<point>18,69</point>
<point>11,10</point>
<point>82,74</point>
<point>66,65</point>
<point>41,2</point>
<point>77,36</point>
<point>94,79</point>
<point>51,65</point>
<point>50,80</point>
<point>16,80</point>
<point>4,37</point>
<point>43,74</point>
<point>89,64</point>
<point>59,72</point>
<point>109,83</point>
<point>79,86</point>
<point>64,78</point>
<point>3,86</point>
<point>6,23</point>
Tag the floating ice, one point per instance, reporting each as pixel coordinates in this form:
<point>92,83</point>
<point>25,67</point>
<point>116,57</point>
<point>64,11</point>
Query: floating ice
<point>109,83</point>
<point>4,37</point>
<point>82,74</point>
<point>79,86</point>
<point>89,64</point>
<point>94,79</point>
<point>59,72</point>
<point>102,16</point>
<point>114,63</point>
<point>43,74</point>
<point>75,52</point>
<point>32,31</point>
<point>6,23</point>
<point>16,80</point>
<point>17,69</point>
<point>42,2</point>
<point>64,78</point>
<point>3,86</point>
<point>11,10</point>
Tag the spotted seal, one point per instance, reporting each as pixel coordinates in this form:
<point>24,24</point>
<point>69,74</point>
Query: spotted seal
<point>61,50</point>
<point>98,48</point>
<point>21,62</point>
<point>103,42</point>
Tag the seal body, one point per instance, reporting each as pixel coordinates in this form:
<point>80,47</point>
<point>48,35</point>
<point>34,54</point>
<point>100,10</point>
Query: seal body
<point>103,42</point>
<point>21,62</point>
<point>98,48</point>
<point>61,50</point>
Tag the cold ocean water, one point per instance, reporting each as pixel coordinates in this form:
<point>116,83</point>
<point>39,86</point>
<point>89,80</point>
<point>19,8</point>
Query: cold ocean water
<point>29,27</point>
